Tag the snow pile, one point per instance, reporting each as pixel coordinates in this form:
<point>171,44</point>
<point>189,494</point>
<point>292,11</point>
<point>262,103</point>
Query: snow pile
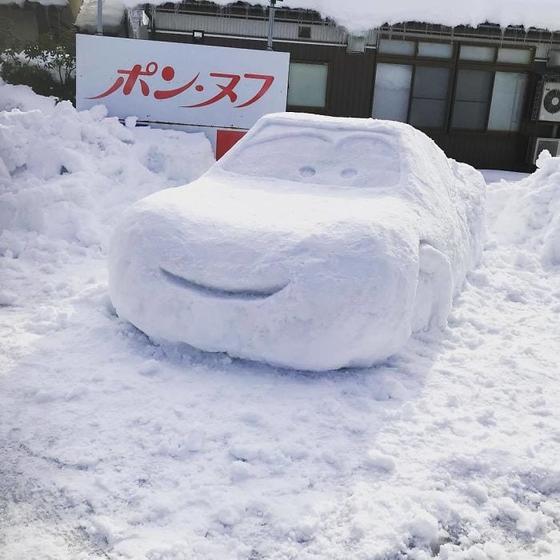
<point>529,212</point>
<point>316,243</point>
<point>68,175</point>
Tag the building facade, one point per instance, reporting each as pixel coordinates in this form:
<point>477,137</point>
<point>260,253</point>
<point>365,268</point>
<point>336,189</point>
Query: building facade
<point>475,91</point>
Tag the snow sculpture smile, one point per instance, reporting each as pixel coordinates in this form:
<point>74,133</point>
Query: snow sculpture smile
<point>316,243</point>
<point>254,294</point>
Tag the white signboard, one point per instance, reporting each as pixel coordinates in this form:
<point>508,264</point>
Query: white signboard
<point>180,83</point>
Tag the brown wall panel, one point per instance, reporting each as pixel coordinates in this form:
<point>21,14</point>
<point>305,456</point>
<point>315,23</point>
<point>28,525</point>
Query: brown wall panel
<point>350,75</point>
<point>485,150</point>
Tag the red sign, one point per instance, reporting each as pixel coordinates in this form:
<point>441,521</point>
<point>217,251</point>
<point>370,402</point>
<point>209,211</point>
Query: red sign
<point>226,139</point>
<point>125,86</point>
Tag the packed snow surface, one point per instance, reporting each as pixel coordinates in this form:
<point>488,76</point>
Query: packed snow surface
<point>316,243</point>
<point>113,447</point>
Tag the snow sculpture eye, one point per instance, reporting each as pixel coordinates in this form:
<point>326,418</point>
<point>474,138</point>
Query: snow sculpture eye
<point>348,173</point>
<point>370,160</point>
<point>307,171</point>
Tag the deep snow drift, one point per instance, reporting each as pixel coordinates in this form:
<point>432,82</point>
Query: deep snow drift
<point>529,212</point>
<point>316,243</point>
<point>112,447</point>
<point>68,174</point>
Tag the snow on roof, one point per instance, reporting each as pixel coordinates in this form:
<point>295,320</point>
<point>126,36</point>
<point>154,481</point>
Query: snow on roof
<point>360,15</point>
<point>363,14</point>
<point>43,2</point>
<point>113,12</point>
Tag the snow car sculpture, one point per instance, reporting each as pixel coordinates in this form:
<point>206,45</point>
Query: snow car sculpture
<point>316,243</point>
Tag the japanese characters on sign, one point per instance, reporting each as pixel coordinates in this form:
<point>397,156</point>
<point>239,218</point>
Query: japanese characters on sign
<point>180,83</point>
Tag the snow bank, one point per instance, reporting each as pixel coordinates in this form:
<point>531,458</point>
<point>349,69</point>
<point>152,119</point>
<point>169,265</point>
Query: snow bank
<point>529,212</point>
<point>68,174</point>
<point>316,243</point>
<point>360,15</point>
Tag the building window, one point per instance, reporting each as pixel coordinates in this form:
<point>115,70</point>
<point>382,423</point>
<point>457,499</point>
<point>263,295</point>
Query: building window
<point>479,54</point>
<point>307,85</point>
<point>514,56</point>
<point>356,44</point>
<point>407,94</point>
<point>429,97</point>
<point>392,91</point>
<point>435,50</point>
<point>419,93</point>
<point>472,99</point>
<point>304,32</point>
<point>403,48</point>
<point>507,101</point>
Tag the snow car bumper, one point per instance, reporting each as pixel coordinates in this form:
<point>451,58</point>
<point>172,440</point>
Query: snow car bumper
<point>313,301</point>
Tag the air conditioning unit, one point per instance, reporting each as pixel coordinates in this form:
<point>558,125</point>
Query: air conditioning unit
<point>550,144</point>
<point>550,102</point>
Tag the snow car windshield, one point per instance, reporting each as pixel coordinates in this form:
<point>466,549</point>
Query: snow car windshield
<point>319,156</point>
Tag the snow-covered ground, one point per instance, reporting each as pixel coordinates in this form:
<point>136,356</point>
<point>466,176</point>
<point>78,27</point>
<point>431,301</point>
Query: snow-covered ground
<point>112,447</point>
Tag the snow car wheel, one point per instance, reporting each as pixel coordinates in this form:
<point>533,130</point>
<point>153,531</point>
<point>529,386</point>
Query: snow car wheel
<point>434,294</point>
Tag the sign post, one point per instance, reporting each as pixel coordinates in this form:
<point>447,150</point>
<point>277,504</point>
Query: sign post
<point>271,14</point>
<point>100,17</point>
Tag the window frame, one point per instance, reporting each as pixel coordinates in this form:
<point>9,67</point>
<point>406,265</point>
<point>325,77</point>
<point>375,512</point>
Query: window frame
<point>484,129</point>
<point>455,64</point>
<point>492,66</point>
<point>445,100</point>
<point>372,96</point>
<point>306,108</point>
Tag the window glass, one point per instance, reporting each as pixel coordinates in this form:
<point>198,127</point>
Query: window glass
<point>429,96</point>
<point>482,54</point>
<point>356,43</point>
<point>388,46</point>
<point>435,50</point>
<point>392,91</point>
<point>307,84</point>
<point>304,32</point>
<point>507,101</point>
<point>472,97</point>
<point>514,56</point>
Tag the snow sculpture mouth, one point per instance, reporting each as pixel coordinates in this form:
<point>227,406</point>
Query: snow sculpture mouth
<point>211,291</point>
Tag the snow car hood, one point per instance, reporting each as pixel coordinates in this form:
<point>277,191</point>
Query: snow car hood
<point>212,234</point>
